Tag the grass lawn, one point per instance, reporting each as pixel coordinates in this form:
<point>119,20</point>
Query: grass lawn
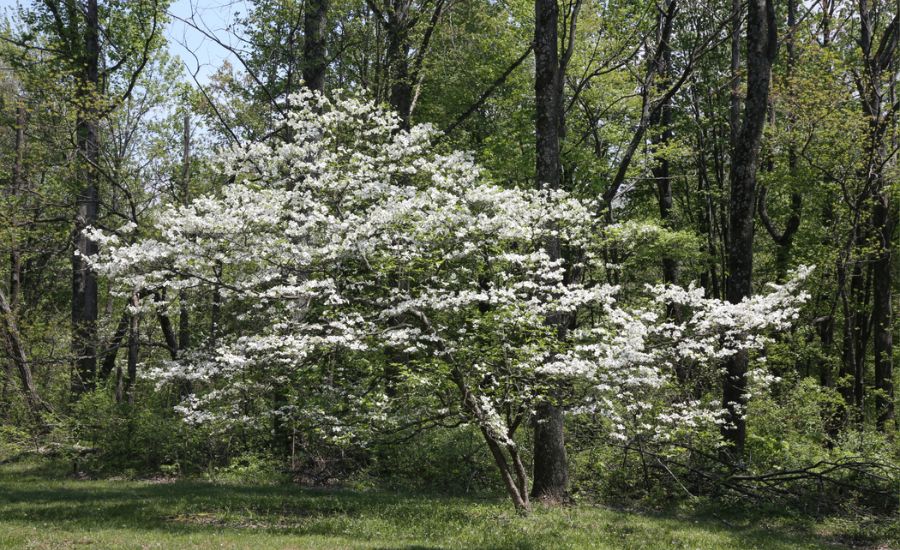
<point>40,509</point>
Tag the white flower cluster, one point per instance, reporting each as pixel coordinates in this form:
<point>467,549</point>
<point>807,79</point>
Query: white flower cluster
<point>355,238</point>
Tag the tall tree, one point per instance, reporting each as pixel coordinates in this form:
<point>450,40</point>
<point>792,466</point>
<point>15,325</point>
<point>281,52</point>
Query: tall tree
<point>399,19</point>
<point>784,240</point>
<point>661,120</point>
<point>77,33</point>
<point>876,86</point>
<point>551,473</point>
<point>184,316</point>
<point>84,281</point>
<point>15,189</point>
<point>761,51</point>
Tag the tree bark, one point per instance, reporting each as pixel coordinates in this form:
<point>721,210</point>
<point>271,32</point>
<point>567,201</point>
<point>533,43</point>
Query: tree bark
<point>184,315</point>
<point>761,50</point>
<point>84,280</point>
<point>15,255</point>
<point>876,61</point>
<point>785,239</point>
<point>734,115</point>
<point>884,220</point>
<point>551,473</point>
<point>112,349</point>
<point>315,61</point>
<point>661,121</point>
<point>132,351</point>
<point>18,183</point>
<point>398,28</point>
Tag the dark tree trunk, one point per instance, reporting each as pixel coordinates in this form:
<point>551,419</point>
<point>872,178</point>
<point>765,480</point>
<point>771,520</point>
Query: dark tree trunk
<point>709,278</point>
<point>551,467</point>
<point>401,92</point>
<point>785,239</point>
<point>546,89</point>
<point>15,255</point>
<point>661,121</point>
<point>18,183</point>
<point>84,280</point>
<point>112,349</point>
<point>825,27</point>
<point>734,115</point>
<point>133,326</point>
<point>184,317</point>
<point>165,324</point>
<point>878,59</point>
<point>215,316</point>
<point>863,329</point>
<point>650,107</point>
<point>825,330</point>
<point>761,49</point>
<point>315,64</point>
<point>551,472</point>
<point>850,283</point>
<point>398,29</point>
<point>315,60</point>
<point>884,220</point>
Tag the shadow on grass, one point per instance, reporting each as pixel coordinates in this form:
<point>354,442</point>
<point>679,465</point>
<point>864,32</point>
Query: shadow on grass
<point>41,496</point>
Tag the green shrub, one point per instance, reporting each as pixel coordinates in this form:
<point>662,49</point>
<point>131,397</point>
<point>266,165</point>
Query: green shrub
<point>453,461</point>
<point>13,442</point>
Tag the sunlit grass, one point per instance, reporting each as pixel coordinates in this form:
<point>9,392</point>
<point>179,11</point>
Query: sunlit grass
<point>42,509</point>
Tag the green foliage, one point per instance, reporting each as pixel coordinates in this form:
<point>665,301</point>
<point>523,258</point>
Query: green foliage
<point>14,441</point>
<point>251,467</point>
<point>452,461</point>
<point>814,146</point>
<point>124,438</point>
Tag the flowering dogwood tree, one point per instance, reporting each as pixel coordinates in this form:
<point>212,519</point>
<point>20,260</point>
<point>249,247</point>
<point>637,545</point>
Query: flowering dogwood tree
<point>356,239</point>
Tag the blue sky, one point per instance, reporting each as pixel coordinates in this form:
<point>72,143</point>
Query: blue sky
<point>213,15</point>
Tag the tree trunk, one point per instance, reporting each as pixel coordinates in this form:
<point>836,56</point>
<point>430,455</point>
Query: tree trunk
<point>661,121</point>
<point>112,349</point>
<point>850,282</point>
<point>15,255</point>
<point>132,351</point>
<point>514,477</point>
<point>734,115</point>
<point>18,183</point>
<point>878,61</point>
<point>215,316</point>
<point>761,49</point>
<point>184,315</point>
<point>551,472</point>
<point>184,318</point>
<point>315,59</point>
<point>84,280</point>
<point>398,28</point>
<point>709,278</point>
<point>884,220</point>
<point>785,239</point>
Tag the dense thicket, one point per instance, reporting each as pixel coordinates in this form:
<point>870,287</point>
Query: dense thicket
<point>719,146</point>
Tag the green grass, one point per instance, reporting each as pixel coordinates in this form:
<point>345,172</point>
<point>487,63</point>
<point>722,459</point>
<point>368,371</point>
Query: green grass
<point>42,509</point>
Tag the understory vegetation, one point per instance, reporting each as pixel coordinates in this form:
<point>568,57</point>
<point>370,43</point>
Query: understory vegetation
<point>43,507</point>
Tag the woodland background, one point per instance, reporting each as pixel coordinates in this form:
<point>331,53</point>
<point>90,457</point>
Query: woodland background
<point>764,134</point>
